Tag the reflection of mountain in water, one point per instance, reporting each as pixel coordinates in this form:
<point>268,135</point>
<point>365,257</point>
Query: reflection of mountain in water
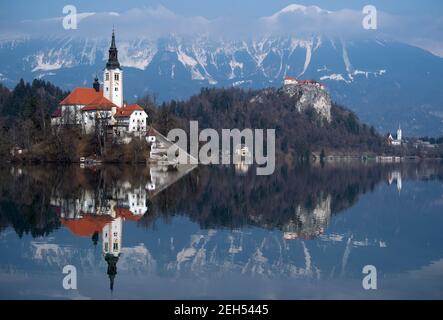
<point>308,224</point>
<point>298,203</point>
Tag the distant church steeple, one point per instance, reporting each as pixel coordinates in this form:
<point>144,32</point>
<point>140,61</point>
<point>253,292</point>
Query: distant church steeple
<point>399,133</point>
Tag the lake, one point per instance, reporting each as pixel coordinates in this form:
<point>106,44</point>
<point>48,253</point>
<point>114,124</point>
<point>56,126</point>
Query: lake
<point>221,232</point>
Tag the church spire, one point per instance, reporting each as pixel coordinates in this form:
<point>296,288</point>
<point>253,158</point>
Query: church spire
<point>113,39</point>
<point>113,54</point>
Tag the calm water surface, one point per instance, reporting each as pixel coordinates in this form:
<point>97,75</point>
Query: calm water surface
<point>222,232</point>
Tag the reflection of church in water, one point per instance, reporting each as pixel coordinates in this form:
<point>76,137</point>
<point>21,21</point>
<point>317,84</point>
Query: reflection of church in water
<point>395,176</point>
<point>93,213</point>
<point>104,210</point>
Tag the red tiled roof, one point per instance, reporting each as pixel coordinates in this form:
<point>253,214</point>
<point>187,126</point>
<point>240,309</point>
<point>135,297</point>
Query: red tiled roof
<point>86,226</point>
<point>309,81</point>
<point>99,103</point>
<point>127,110</point>
<point>82,96</point>
<point>127,214</point>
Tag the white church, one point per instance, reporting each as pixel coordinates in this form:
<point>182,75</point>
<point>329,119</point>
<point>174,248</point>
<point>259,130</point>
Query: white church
<point>398,140</point>
<point>89,107</point>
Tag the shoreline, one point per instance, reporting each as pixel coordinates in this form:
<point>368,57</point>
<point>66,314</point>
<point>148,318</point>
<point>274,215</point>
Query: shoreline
<point>314,159</point>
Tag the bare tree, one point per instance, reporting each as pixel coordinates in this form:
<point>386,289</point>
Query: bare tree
<point>102,119</point>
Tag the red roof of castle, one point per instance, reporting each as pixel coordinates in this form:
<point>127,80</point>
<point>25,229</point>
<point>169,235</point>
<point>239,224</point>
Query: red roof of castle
<point>82,96</point>
<point>127,110</point>
<point>311,82</point>
<point>304,81</point>
<point>308,81</point>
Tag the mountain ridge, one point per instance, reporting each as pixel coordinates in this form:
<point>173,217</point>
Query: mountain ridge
<point>385,82</point>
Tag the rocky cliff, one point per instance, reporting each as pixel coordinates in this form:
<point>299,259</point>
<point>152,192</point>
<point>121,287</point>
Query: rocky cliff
<point>309,95</point>
<point>304,96</point>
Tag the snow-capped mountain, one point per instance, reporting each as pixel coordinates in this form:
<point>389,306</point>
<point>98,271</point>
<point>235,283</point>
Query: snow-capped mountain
<point>385,82</point>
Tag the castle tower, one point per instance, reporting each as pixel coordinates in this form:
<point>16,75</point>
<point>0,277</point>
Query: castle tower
<point>113,76</point>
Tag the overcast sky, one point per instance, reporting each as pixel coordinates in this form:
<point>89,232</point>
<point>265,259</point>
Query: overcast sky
<point>416,22</point>
<point>25,9</point>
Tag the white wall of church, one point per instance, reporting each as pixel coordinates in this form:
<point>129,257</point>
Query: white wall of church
<point>71,114</point>
<point>89,119</point>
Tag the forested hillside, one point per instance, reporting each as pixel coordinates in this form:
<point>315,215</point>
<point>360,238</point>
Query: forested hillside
<point>297,133</point>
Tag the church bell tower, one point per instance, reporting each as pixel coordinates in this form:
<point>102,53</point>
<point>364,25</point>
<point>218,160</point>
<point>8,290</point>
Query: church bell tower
<point>113,76</point>
<point>111,246</point>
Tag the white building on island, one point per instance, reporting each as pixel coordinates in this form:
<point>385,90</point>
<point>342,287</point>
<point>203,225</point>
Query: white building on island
<point>130,121</point>
<point>398,140</point>
<point>89,107</point>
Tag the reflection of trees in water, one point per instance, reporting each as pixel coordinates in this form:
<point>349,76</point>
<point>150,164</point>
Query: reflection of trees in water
<point>298,201</point>
<point>24,205</point>
<point>26,194</point>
